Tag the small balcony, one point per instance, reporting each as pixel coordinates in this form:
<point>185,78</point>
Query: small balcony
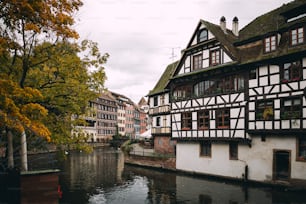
<point>161,130</point>
<point>159,109</point>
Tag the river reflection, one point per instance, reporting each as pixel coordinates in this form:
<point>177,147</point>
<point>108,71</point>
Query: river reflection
<point>102,177</point>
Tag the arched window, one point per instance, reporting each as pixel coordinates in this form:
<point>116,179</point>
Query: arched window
<point>202,36</point>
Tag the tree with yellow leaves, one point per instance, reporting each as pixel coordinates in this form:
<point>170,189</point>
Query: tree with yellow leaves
<point>20,112</point>
<point>29,32</point>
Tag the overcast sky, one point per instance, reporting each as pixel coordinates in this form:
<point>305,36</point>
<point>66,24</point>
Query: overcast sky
<point>144,36</point>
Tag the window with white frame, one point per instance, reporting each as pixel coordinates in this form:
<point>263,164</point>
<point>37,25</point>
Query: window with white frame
<point>297,36</point>
<point>270,43</point>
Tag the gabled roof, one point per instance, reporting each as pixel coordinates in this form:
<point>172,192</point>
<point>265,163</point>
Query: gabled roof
<point>164,79</point>
<point>275,20</point>
<point>142,102</point>
<point>225,38</point>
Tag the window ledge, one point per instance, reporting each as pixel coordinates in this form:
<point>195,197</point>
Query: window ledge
<point>301,159</point>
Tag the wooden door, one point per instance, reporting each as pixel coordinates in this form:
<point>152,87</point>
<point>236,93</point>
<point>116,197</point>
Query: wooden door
<point>281,164</point>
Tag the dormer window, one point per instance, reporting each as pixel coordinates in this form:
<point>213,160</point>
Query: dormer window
<point>202,36</point>
<point>270,43</point>
<point>297,36</point>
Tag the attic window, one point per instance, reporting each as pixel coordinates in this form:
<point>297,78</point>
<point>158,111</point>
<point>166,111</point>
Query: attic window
<point>297,36</point>
<point>270,43</point>
<point>203,35</point>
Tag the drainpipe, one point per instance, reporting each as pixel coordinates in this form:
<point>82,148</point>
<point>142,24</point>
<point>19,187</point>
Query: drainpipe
<point>246,173</point>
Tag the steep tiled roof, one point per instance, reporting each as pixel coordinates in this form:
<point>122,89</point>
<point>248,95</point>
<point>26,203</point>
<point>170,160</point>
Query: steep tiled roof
<point>275,21</point>
<point>164,79</point>
<point>272,21</point>
<point>225,38</point>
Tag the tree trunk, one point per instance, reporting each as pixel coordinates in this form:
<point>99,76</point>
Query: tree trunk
<point>23,152</point>
<point>10,151</point>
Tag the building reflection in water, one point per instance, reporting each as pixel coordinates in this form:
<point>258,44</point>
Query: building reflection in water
<point>102,177</point>
<point>84,174</point>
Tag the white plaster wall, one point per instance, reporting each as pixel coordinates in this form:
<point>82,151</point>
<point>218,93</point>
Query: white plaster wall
<point>226,57</point>
<point>151,102</point>
<point>167,98</point>
<point>154,120</point>
<point>210,35</point>
<point>168,123</point>
<point>259,159</point>
<point>218,164</point>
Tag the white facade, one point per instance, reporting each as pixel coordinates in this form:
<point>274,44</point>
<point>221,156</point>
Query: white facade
<point>160,113</point>
<point>258,158</point>
<point>121,119</point>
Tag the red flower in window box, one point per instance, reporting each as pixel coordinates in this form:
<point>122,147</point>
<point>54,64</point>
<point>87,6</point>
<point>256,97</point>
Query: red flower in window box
<point>296,79</point>
<point>186,128</point>
<point>285,80</point>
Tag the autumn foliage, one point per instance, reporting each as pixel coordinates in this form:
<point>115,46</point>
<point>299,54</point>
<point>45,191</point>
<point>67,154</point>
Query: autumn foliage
<point>43,79</point>
<point>19,111</point>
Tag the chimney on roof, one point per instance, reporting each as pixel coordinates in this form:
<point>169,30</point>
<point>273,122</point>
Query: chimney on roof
<point>235,26</point>
<point>223,23</point>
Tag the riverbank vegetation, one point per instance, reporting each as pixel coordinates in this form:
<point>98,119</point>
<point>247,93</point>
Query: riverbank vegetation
<point>47,76</point>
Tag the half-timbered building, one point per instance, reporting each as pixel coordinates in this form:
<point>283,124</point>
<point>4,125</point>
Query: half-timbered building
<point>159,112</point>
<point>237,98</point>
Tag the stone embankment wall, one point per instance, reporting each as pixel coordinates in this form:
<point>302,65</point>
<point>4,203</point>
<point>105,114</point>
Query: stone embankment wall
<point>151,162</point>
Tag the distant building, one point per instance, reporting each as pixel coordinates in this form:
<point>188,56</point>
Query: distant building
<point>106,116</point>
<point>111,112</point>
<point>129,122</point>
<point>122,102</point>
<point>144,110</point>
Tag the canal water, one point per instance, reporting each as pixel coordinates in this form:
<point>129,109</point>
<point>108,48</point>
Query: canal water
<point>102,177</point>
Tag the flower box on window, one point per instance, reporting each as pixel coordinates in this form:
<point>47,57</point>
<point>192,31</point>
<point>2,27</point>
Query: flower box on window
<point>186,128</point>
<point>285,80</point>
<point>296,79</point>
